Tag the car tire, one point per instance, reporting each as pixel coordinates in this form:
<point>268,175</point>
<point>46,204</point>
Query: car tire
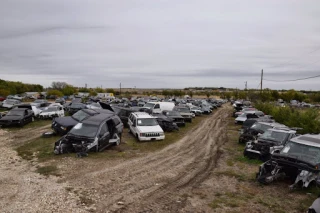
<point>137,137</point>
<point>21,124</point>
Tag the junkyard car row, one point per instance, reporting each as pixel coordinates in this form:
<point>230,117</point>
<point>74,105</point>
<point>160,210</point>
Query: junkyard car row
<point>96,124</point>
<point>284,152</point>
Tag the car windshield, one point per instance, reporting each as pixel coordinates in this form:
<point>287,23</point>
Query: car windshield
<point>260,126</point>
<point>172,113</point>
<point>10,102</point>
<point>147,122</point>
<point>84,130</point>
<point>80,115</point>
<point>50,109</point>
<point>149,105</point>
<point>274,135</point>
<point>185,110</point>
<point>76,105</point>
<point>15,112</point>
<point>302,152</point>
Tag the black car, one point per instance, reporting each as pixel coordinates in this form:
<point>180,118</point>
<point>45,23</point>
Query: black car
<point>94,134</point>
<point>256,129</point>
<point>167,124</point>
<point>63,125</point>
<point>260,148</point>
<point>124,113</point>
<point>75,107</point>
<point>17,116</point>
<point>176,116</point>
<point>297,161</point>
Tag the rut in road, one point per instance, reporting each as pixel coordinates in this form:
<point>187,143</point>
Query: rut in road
<point>152,182</point>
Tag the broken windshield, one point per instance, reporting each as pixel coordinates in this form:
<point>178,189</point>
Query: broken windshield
<point>309,154</point>
<point>274,136</point>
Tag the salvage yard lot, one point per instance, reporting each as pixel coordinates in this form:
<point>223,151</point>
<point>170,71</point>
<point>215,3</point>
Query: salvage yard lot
<point>201,168</point>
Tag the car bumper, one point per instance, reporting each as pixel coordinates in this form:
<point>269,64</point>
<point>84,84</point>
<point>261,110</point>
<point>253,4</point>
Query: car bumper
<point>58,130</point>
<point>152,138</point>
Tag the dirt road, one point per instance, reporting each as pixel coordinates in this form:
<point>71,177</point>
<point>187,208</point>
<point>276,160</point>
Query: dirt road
<point>158,182</point>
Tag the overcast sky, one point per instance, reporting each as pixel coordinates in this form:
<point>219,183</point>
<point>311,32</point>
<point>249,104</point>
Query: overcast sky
<point>161,43</point>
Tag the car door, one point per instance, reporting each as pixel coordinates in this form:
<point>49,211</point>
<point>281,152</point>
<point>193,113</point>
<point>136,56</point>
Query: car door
<point>156,108</point>
<point>134,125</point>
<point>103,137</point>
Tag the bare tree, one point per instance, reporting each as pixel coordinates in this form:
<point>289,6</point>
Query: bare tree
<point>58,85</point>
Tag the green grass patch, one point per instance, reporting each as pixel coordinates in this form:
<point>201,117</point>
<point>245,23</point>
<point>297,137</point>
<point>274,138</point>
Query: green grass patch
<point>41,148</point>
<point>35,124</point>
<point>230,173</point>
<point>247,160</point>
<point>48,170</point>
<point>229,199</point>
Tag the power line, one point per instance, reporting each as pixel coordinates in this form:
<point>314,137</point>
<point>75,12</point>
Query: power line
<point>298,79</point>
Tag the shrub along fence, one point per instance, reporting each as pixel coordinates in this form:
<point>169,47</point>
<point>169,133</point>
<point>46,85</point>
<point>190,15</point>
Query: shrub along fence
<point>307,119</point>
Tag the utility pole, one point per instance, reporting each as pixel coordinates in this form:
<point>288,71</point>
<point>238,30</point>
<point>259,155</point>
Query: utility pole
<point>261,80</point>
<point>246,85</point>
<point>120,89</point>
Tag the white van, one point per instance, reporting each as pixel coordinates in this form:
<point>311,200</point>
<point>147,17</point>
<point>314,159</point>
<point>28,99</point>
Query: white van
<point>158,107</point>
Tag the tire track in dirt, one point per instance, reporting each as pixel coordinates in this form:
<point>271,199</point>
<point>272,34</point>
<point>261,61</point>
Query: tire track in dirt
<point>153,182</point>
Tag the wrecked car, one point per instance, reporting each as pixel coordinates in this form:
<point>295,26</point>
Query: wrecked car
<point>257,128</point>
<point>248,114</point>
<point>52,112</point>
<point>94,134</point>
<point>298,160</point>
<point>75,107</point>
<point>63,125</point>
<point>269,140</point>
<point>166,123</point>
<point>10,103</point>
<point>175,116</point>
<point>185,113</point>
<point>17,116</point>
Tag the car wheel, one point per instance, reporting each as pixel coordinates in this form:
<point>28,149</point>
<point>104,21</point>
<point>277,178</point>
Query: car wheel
<point>137,137</point>
<point>21,124</point>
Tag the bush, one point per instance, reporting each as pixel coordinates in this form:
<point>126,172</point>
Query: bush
<point>308,119</point>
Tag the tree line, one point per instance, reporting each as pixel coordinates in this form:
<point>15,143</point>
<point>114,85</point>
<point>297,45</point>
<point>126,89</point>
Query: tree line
<point>16,87</point>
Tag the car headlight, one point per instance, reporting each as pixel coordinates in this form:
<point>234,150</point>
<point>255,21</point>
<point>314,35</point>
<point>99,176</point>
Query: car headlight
<point>161,133</point>
<point>63,128</point>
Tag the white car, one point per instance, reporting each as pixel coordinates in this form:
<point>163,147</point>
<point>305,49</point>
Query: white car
<point>52,111</point>
<point>145,127</point>
<point>248,114</point>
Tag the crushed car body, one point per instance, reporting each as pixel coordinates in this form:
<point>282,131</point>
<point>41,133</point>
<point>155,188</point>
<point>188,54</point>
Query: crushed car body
<point>93,134</point>
<point>299,160</point>
<point>267,142</point>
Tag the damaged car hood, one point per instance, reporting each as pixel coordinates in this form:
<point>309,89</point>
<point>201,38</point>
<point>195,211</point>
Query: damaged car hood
<point>66,121</point>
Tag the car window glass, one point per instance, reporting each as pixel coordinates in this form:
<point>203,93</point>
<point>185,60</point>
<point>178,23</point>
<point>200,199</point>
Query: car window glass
<point>103,129</point>
<point>157,106</point>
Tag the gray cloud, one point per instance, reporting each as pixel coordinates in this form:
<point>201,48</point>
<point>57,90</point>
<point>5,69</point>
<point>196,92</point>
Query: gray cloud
<point>162,44</point>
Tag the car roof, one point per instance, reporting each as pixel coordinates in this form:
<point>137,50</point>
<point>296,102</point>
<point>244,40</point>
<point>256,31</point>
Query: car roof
<point>19,109</point>
<point>274,124</point>
<point>142,115</point>
<point>97,119</point>
<point>98,111</point>
<point>308,139</point>
<point>283,129</point>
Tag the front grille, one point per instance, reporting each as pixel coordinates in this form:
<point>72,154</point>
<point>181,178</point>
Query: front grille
<point>152,134</point>
<point>178,120</point>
